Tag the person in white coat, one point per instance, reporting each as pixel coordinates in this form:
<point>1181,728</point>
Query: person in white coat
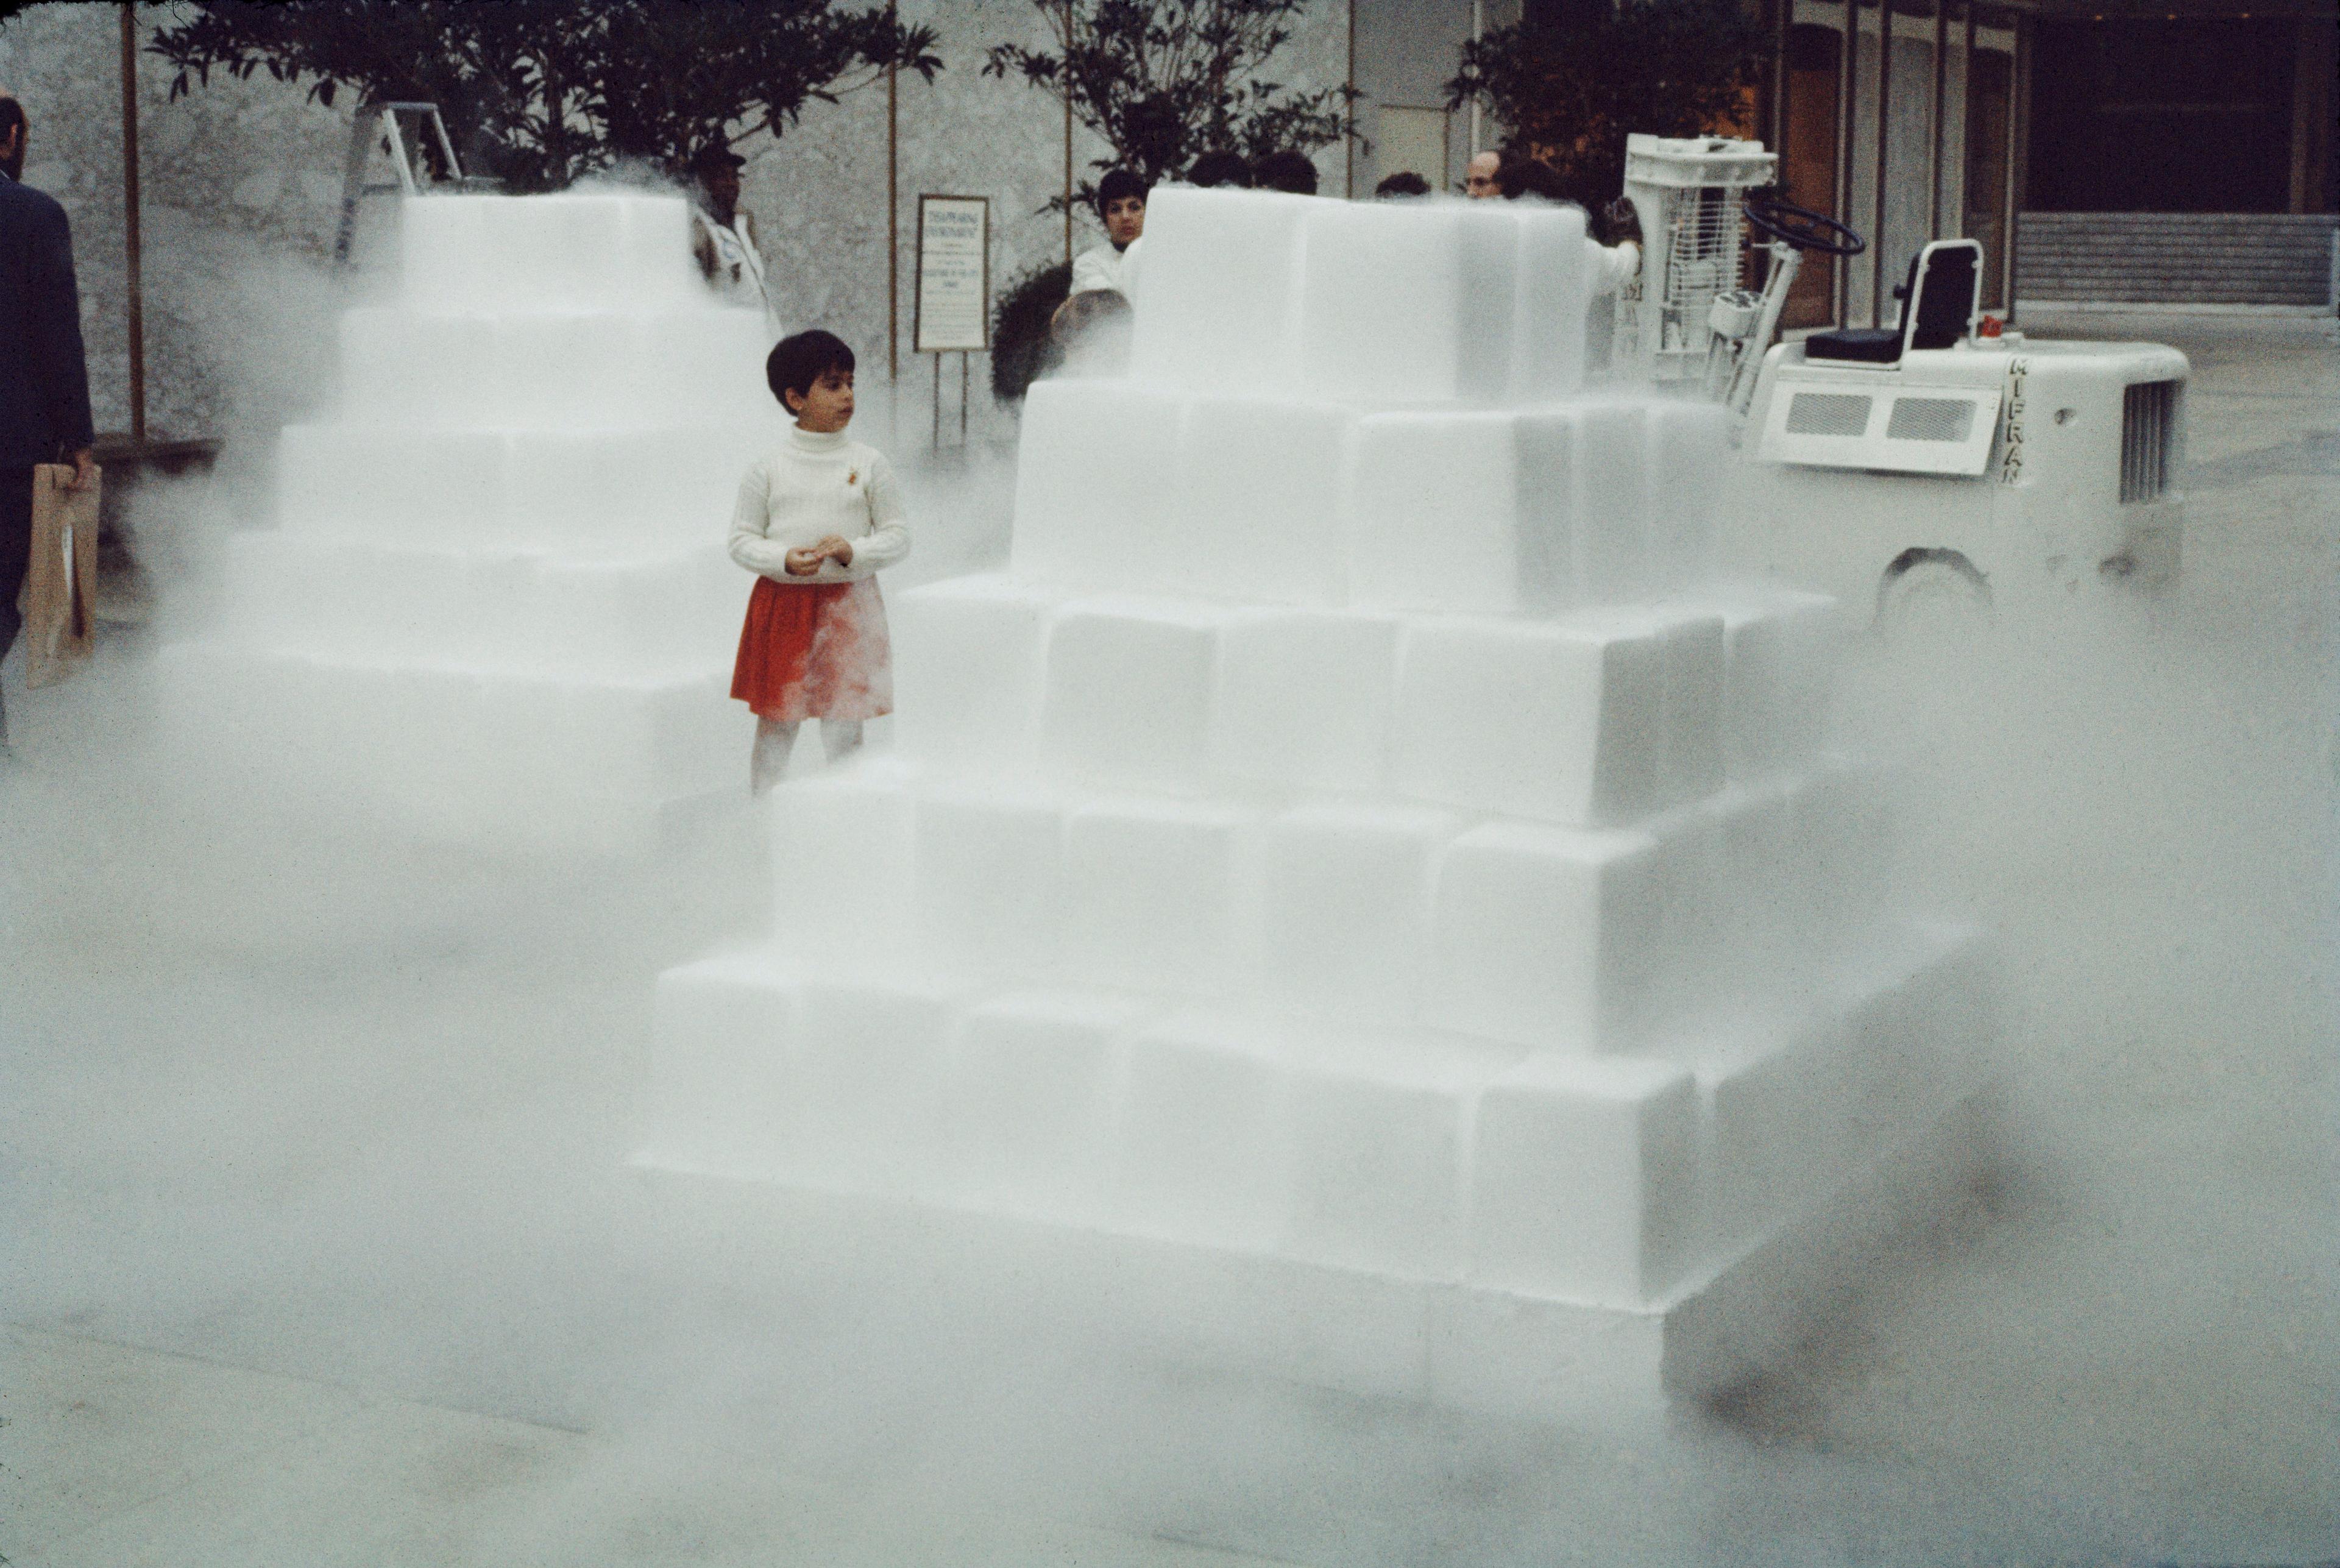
<point>1121,207</point>
<point>723,236</point>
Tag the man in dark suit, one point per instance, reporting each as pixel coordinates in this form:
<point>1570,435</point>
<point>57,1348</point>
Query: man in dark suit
<point>43,384</point>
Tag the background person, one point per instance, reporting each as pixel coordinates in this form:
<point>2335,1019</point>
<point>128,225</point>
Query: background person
<point>1288,171</point>
<point>722,234</point>
<point>43,379</point>
<point>1121,207</point>
<point>1479,176</point>
<point>1220,168</point>
<point>1405,182</point>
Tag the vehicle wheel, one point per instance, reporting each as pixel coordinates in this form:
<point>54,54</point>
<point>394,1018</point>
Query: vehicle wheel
<point>1931,593</point>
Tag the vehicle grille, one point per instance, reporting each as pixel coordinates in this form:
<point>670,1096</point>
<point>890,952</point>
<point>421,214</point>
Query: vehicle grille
<point>2148,429</point>
<point>1827,414</point>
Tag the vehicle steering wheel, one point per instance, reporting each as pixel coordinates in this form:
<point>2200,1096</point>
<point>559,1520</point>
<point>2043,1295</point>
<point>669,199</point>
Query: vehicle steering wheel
<point>1803,229</point>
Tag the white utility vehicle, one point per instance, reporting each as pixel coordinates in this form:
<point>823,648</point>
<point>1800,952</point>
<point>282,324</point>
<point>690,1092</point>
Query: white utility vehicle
<point>1940,465</point>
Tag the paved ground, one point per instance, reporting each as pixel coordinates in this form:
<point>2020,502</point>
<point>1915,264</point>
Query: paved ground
<point>317,1249</point>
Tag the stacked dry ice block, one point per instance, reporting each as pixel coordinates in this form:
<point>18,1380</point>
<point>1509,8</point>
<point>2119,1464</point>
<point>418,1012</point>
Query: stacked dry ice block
<point>1357,834</point>
<point>497,601</point>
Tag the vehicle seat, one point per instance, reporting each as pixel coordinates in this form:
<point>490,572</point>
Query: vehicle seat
<point>1938,300</point>
<point>1864,345</point>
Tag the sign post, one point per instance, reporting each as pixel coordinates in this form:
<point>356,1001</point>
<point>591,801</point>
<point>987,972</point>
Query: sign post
<point>954,290</point>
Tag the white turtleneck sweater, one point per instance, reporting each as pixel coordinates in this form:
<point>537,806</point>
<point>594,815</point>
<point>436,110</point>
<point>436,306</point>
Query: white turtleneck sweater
<point>813,486</point>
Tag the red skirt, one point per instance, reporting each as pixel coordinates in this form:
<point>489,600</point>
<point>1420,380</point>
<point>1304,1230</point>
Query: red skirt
<point>818,652</point>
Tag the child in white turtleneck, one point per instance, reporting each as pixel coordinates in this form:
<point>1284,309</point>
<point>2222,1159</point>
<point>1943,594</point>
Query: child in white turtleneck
<point>816,521</point>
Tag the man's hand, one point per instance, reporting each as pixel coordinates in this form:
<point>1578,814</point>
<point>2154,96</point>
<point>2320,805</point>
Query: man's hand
<point>805,562</point>
<point>835,547</point>
<point>84,474</point>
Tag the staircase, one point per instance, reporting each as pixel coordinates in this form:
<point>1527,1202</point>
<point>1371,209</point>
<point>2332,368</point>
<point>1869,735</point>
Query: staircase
<point>2176,258</point>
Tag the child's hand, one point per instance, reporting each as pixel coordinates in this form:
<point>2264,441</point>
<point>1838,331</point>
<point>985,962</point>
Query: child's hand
<point>837,549</point>
<point>805,562</point>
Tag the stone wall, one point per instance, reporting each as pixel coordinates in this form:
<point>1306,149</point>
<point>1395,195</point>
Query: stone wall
<point>241,185</point>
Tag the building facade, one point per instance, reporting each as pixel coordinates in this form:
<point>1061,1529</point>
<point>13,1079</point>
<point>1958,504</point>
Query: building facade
<point>2183,141</point>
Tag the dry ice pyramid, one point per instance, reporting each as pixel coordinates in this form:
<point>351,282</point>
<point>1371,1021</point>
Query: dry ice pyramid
<point>1357,870</point>
<point>497,606</point>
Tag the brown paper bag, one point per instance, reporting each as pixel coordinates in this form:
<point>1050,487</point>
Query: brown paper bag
<point>59,602</point>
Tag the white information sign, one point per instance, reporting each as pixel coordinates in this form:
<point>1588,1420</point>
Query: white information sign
<point>954,289</point>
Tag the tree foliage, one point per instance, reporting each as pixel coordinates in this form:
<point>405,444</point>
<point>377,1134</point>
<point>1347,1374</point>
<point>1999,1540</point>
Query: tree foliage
<point>1162,81</point>
<point>1569,91</point>
<point>541,92</point>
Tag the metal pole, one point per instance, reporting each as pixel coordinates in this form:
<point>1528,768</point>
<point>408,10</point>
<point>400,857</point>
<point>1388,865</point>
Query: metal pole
<point>1941,78</point>
<point>1848,106</point>
<point>137,312</point>
<point>893,220</point>
<point>2018,139</point>
<point>964,374</point>
<point>1966,121</point>
<point>1783,18</point>
<point>936,439</point>
<point>1884,139</point>
<point>1068,145</point>
<point>1478,30</point>
<point>1349,174</point>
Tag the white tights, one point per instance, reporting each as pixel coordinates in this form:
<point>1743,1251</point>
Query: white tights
<point>775,740</point>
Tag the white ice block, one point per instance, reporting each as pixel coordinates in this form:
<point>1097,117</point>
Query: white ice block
<point>1303,697</point>
<point>1202,1150</point>
<point>1223,282</point>
<point>1779,1107</point>
<point>1546,936</point>
<point>1918,1016</point>
<point>1691,760</point>
<point>1436,521</point>
<point>1345,907</point>
<point>1161,895</point>
<point>1780,652</point>
<point>968,655</point>
<point>1584,1179</point>
<point>1606,462</point>
<point>1383,313</point>
<point>351,478</point>
<point>1689,466</point>
<point>1561,721</point>
<point>649,485</point>
<point>1761,911</point>
<point>1257,514</point>
<point>841,868</point>
<point>643,611</point>
<point>1034,1088</point>
<point>989,875</point>
<point>573,252</point>
<point>1097,483</point>
<point>871,1060</point>
<point>723,1038</point>
<point>1129,691</point>
<point>1548,280</point>
<point>1379,1125</point>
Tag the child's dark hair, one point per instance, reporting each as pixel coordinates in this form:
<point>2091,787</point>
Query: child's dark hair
<point>1117,183</point>
<point>803,358</point>
<point>1404,182</point>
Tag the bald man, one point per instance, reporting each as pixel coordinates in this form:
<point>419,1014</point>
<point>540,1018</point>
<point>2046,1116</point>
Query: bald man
<point>1479,180</point>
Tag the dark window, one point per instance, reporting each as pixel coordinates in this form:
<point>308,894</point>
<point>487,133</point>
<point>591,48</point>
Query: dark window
<point>2186,117</point>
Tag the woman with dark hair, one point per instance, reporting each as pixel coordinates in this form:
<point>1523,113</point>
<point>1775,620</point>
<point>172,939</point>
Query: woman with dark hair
<point>1121,207</point>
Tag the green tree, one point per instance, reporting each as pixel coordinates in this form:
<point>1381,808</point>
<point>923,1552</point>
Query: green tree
<point>1164,80</point>
<point>541,92</point>
<point>1570,91</point>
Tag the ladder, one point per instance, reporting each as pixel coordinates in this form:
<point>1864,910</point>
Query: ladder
<point>392,123</point>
